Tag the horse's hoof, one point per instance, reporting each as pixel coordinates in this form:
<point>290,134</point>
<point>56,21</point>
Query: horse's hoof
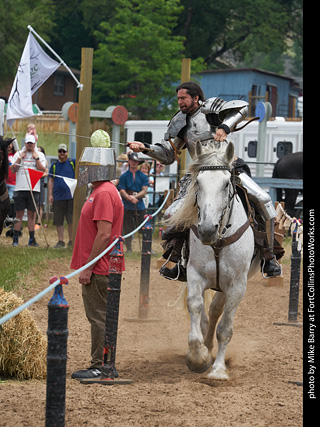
<point>199,367</point>
<point>218,374</point>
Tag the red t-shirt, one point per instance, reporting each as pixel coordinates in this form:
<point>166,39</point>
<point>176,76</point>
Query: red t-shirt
<point>104,204</point>
<point>11,176</point>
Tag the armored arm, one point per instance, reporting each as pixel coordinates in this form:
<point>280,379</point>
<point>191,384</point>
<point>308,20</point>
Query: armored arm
<point>165,151</point>
<point>225,114</point>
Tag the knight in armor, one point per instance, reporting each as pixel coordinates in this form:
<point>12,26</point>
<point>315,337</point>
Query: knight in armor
<point>206,120</point>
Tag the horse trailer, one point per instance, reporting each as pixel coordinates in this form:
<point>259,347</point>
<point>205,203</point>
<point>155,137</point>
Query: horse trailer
<point>282,137</point>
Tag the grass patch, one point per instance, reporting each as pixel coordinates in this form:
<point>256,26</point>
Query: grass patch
<point>16,263</point>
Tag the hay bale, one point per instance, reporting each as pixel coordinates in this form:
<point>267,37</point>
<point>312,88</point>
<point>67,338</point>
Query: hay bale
<point>23,348</point>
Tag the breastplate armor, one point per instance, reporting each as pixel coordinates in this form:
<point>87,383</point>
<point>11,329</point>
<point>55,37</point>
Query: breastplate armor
<point>197,128</point>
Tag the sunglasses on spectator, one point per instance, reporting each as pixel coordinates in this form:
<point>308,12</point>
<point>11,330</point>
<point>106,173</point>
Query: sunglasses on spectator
<point>61,151</point>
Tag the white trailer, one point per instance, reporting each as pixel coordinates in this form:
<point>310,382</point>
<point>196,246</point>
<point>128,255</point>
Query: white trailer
<point>283,137</point>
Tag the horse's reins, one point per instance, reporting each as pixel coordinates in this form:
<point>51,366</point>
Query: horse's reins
<point>221,242</point>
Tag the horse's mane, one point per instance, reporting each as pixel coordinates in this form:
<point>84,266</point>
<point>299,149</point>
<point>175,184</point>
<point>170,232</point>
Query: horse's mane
<point>212,155</point>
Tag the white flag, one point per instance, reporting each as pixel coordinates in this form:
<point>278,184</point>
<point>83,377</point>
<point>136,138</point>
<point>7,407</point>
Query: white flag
<point>71,183</point>
<point>34,69</point>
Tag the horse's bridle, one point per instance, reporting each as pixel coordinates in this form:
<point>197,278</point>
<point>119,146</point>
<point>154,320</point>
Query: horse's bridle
<point>231,196</point>
<point>221,241</point>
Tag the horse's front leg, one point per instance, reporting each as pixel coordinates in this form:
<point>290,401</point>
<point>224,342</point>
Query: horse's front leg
<point>225,330</point>
<point>215,311</point>
<point>198,357</point>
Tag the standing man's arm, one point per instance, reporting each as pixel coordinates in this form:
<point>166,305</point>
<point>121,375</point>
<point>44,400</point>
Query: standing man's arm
<point>99,245</point>
<point>50,190</point>
<point>16,164</point>
<point>40,165</point>
<point>134,198</point>
<point>125,195</point>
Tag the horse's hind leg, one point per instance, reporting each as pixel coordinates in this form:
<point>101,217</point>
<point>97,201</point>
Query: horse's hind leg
<point>225,332</point>
<point>215,311</point>
<point>198,357</point>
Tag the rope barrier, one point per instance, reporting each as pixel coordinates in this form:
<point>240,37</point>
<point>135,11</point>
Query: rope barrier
<point>36,298</point>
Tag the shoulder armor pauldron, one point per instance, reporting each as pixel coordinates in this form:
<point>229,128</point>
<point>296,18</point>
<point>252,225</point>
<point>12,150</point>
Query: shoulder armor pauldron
<point>178,122</point>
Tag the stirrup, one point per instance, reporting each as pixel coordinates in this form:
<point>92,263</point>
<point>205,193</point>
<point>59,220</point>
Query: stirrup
<point>264,275</point>
<point>162,271</point>
<point>164,266</point>
<point>8,222</point>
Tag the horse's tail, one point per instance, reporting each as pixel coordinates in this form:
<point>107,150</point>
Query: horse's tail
<point>181,302</point>
<point>276,175</point>
<point>275,171</point>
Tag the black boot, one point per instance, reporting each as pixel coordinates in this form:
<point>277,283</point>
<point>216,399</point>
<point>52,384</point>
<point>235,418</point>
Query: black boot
<point>271,268</point>
<point>178,272</point>
<point>174,241</point>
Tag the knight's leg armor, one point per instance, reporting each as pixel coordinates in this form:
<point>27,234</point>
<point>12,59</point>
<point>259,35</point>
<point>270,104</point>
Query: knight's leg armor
<point>176,240</point>
<point>262,201</point>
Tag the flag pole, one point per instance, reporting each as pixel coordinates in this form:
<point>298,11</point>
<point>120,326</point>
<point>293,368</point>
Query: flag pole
<point>79,85</point>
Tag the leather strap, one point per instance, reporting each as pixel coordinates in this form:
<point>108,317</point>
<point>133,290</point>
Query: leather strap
<point>249,121</point>
<point>221,243</point>
<point>176,151</point>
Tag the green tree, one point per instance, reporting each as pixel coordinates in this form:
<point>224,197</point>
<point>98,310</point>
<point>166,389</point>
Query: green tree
<point>243,29</point>
<point>73,33</point>
<point>15,16</point>
<point>138,59</point>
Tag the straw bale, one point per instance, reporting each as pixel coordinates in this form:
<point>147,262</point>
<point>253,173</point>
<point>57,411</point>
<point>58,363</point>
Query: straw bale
<point>23,347</point>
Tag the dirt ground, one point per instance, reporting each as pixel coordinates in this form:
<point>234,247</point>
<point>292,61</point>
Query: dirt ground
<point>264,361</point>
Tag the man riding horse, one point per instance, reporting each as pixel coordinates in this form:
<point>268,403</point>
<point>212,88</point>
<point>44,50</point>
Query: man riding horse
<point>207,120</point>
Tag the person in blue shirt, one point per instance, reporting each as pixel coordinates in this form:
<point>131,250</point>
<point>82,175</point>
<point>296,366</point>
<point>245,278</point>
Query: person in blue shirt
<point>59,194</point>
<point>133,186</point>
<point>156,198</point>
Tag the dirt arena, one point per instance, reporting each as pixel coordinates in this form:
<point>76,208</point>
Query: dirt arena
<point>264,361</point>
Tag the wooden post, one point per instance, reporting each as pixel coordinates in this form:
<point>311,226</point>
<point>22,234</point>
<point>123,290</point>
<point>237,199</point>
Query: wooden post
<point>83,128</point>
<point>185,77</point>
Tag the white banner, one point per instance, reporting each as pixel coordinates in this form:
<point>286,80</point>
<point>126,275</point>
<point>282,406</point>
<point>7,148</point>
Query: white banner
<point>34,69</point>
<point>71,183</point>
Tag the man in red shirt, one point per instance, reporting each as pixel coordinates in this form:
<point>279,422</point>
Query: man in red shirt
<point>100,221</point>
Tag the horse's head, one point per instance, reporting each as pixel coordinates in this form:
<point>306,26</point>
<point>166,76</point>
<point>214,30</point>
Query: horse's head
<point>208,195</point>
<point>4,143</point>
<point>213,190</point>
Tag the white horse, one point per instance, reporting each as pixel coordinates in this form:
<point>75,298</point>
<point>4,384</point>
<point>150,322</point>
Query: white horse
<point>221,254</point>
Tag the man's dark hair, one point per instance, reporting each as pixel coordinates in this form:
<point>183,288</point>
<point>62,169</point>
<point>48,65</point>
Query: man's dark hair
<point>193,89</point>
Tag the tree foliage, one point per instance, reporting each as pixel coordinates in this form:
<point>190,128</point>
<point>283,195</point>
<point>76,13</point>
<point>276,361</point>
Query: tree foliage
<point>213,29</point>
<point>138,44</point>
<point>15,16</point>
<point>71,32</point>
<point>138,59</point>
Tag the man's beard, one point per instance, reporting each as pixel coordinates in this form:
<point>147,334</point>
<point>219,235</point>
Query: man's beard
<point>190,109</point>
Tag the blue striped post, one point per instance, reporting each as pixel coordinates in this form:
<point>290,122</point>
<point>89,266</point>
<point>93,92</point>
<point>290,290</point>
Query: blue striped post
<point>57,356</point>
<point>109,374</point>
<point>145,269</point>
<point>294,278</point>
